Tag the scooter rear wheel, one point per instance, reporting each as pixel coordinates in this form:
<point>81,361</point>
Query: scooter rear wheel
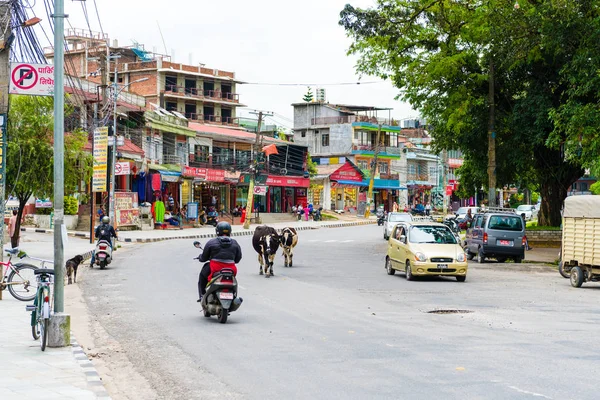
<point>223,316</point>
<point>206,313</point>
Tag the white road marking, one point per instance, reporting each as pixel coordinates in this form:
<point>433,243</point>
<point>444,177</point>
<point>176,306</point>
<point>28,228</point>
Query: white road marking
<point>528,392</point>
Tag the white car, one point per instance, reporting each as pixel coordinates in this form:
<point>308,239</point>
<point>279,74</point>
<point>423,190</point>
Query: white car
<point>461,213</point>
<point>392,219</point>
<point>531,212</point>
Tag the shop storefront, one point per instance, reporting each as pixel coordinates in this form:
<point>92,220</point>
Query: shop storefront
<point>207,187</point>
<point>283,192</point>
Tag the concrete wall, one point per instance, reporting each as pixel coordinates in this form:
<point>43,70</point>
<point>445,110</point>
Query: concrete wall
<point>43,221</point>
<point>303,115</point>
<point>544,236</point>
<point>340,140</point>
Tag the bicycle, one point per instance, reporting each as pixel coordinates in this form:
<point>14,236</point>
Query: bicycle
<point>42,306</point>
<point>18,278</point>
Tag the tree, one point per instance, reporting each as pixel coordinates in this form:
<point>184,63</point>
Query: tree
<point>30,155</point>
<point>442,56</point>
<point>311,166</point>
<point>308,97</point>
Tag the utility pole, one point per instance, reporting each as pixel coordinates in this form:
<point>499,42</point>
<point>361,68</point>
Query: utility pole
<point>112,212</point>
<point>4,81</point>
<point>59,335</point>
<point>445,178</point>
<point>491,142</point>
<point>373,171</point>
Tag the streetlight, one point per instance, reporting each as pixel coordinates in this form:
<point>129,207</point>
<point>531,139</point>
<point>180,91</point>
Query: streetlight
<point>112,211</point>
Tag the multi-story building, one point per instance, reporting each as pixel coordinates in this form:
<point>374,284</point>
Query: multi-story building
<point>180,129</point>
<point>342,139</point>
<point>201,94</point>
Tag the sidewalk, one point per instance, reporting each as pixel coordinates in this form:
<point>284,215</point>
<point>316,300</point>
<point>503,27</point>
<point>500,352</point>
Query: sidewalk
<point>209,231</point>
<point>25,371</point>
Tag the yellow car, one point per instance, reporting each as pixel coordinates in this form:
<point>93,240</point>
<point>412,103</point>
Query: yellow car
<point>425,248</point>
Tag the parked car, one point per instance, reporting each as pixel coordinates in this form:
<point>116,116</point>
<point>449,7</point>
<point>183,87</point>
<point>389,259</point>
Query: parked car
<point>530,211</point>
<point>496,233</point>
<point>461,213</point>
<point>392,219</point>
<point>425,248</point>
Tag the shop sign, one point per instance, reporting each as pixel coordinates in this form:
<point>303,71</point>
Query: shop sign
<point>346,173</point>
<point>260,190</point>
<point>449,190</point>
<point>455,162</point>
<point>126,206</point>
<point>211,175</point>
<point>122,168</point>
<point>43,203</point>
<point>286,181</point>
<point>100,159</point>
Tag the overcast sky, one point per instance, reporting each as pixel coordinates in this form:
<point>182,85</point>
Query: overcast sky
<point>262,41</point>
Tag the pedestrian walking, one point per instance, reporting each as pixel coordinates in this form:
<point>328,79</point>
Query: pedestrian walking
<point>12,230</point>
<point>428,209</point>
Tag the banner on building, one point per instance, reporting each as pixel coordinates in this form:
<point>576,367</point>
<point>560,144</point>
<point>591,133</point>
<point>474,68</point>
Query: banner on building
<point>100,159</point>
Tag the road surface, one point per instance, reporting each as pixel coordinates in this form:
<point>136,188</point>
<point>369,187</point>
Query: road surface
<point>335,326</point>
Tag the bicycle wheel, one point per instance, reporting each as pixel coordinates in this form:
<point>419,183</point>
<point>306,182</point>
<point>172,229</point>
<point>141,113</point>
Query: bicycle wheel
<point>44,332</point>
<point>35,330</point>
<point>21,282</point>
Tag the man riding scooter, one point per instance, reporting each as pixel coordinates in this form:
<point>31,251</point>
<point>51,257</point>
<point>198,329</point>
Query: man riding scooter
<point>104,232</point>
<point>220,252</point>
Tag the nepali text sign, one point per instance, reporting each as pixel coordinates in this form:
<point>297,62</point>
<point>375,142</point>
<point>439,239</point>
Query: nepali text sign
<point>31,79</point>
<point>122,168</point>
<point>43,203</point>
<point>210,175</point>
<point>260,190</point>
<point>287,181</point>
<point>346,172</point>
<point>100,159</point>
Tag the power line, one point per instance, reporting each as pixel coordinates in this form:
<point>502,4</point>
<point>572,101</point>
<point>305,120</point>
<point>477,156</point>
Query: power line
<point>99,21</point>
<point>314,84</point>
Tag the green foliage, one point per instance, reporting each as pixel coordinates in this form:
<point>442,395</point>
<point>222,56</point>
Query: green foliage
<point>535,197</point>
<point>44,211</point>
<point>440,55</point>
<point>515,200</point>
<point>308,97</point>
<point>595,188</point>
<point>71,205</point>
<point>311,166</point>
<point>30,154</point>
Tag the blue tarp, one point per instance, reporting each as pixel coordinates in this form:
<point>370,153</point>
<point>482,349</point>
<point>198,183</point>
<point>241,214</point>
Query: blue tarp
<point>377,184</point>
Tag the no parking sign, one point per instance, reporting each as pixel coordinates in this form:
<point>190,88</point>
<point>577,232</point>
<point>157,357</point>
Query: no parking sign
<point>31,79</point>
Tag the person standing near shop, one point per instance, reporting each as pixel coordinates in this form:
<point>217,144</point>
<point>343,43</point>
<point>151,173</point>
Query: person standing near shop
<point>428,209</point>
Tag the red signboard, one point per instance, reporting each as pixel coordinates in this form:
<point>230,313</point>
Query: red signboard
<point>211,175</point>
<point>449,189</point>
<point>346,173</point>
<point>287,181</point>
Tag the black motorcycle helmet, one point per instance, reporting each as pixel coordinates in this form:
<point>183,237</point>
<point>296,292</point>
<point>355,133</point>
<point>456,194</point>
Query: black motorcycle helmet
<point>223,229</point>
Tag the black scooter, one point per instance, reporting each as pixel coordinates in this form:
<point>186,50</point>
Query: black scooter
<point>221,294</point>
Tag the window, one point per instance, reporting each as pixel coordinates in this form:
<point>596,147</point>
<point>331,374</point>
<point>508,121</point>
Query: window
<point>201,153</point>
<point>171,106</point>
<point>303,134</point>
<point>583,187</point>
<point>411,169</point>
<point>243,157</point>
<point>325,140</point>
<point>432,171</point>
<point>363,164</point>
<point>431,234</point>
<point>505,223</point>
<point>383,168</point>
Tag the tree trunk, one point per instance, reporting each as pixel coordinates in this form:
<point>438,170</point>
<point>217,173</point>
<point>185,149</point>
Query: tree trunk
<point>22,203</point>
<point>556,177</point>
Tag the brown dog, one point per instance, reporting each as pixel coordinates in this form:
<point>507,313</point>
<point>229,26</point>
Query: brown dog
<point>72,266</point>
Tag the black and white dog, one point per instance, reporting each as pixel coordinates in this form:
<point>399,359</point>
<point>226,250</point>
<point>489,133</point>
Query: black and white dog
<point>72,265</point>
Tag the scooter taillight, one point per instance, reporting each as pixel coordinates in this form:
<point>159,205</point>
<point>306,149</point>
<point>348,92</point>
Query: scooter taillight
<point>103,247</point>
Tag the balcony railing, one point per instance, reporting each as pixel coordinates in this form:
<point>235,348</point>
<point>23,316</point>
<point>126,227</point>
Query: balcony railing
<point>202,94</point>
<point>213,119</point>
<point>382,149</point>
<point>418,177</point>
<point>173,159</point>
<point>348,119</point>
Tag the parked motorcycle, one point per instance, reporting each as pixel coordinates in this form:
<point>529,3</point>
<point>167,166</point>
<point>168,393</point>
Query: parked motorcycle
<point>452,224</point>
<point>212,217</point>
<point>317,214</point>
<point>221,294</point>
<point>380,217</point>
<point>103,254</point>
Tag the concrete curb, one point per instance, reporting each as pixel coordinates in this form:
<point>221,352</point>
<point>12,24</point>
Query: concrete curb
<point>94,380</point>
<point>249,232</point>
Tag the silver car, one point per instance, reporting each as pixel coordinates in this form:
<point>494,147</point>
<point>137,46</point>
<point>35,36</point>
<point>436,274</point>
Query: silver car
<point>392,219</point>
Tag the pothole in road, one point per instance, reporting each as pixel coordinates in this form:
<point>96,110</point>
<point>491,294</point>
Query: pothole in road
<point>449,312</point>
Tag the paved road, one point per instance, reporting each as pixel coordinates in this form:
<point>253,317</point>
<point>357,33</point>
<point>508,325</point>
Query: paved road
<point>335,326</point>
